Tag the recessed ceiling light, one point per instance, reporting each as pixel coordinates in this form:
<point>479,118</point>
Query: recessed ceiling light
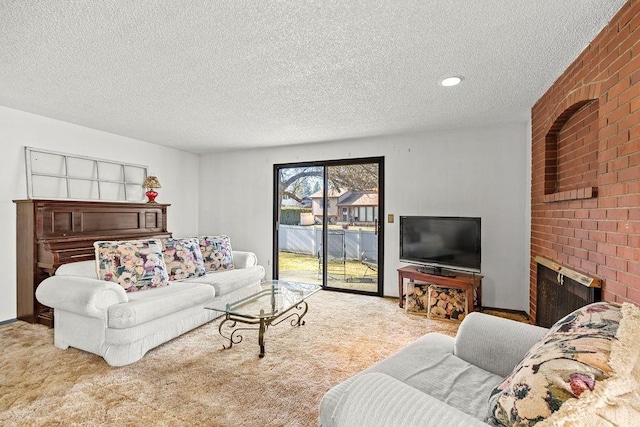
<point>451,81</point>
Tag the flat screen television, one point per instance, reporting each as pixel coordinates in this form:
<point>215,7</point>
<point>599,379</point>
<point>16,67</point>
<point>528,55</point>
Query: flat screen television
<point>437,243</point>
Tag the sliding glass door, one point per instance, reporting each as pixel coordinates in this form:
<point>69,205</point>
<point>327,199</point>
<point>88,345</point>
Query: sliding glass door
<point>327,227</point>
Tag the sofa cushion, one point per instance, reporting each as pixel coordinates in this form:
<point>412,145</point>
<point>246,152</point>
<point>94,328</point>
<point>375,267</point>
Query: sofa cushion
<point>216,252</point>
<point>429,366</point>
<point>226,281</point>
<point>493,343</point>
<point>379,400</point>
<point>134,264</point>
<point>570,359</point>
<point>151,304</point>
<point>183,258</point>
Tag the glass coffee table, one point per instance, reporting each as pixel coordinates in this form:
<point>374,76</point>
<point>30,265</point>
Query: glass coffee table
<point>277,301</point>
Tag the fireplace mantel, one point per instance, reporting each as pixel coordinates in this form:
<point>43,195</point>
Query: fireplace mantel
<point>590,282</point>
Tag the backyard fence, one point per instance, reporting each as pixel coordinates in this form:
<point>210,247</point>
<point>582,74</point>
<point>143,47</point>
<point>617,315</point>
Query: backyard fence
<point>308,240</point>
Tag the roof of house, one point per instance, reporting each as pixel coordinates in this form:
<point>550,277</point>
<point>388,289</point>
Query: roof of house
<point>331,193</point>
<point>359,198</point>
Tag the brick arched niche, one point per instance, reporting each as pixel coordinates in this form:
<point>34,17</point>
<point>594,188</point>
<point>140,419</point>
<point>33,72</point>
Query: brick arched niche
<point>571,148</point>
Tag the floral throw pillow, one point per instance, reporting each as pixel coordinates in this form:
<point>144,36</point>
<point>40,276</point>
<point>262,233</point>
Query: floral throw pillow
<point>569,360</point>
<point>616,400</point>
<point>183,258</point>
<point>216,253</point>
<point>135,264</point>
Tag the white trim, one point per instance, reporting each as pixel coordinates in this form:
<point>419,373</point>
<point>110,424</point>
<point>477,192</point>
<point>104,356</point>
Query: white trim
<point>68,176</point>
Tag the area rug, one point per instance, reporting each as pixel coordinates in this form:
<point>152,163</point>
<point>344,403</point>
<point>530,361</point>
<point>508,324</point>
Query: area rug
<point>191,380</point>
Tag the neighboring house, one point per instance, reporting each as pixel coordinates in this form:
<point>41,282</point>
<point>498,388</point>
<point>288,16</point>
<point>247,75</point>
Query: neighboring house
<point>358,207</point>
<point>317,204</point>
<point>351,207</point>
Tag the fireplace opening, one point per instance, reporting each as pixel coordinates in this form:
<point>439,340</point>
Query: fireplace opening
<point>561,290</point>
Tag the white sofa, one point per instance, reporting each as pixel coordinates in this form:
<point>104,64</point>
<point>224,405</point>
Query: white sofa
<point>100,317</point>
<point>436,380</point>
<point>444,381</point>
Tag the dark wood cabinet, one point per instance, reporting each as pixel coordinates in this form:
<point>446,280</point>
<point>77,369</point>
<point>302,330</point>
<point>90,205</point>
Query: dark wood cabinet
<point>54,232</point>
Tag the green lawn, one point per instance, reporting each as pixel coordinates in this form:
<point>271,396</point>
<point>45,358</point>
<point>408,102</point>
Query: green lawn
<point>301,262</point>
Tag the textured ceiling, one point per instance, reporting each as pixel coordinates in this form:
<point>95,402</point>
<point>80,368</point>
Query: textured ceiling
<point>208,75</point>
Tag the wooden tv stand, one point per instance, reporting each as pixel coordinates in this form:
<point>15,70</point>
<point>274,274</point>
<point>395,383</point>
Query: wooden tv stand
<point>468,282</point>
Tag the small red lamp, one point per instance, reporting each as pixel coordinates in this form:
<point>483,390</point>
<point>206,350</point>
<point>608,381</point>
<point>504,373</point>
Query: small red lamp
<point>150,183</point>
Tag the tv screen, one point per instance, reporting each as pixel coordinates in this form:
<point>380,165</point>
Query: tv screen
<point>441,242</point>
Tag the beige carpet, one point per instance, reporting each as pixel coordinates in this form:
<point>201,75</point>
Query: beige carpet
<point>192,381</point>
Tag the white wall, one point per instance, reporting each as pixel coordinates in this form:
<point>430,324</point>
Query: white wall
<point>176,170</point>
<point>475,172</point>
<point>464,172</point>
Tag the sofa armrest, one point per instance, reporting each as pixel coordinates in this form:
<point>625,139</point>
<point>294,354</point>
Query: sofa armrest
<point>244,259</point>
<point>80,295</point>
<point>379,400</point>
<point>493,343</point>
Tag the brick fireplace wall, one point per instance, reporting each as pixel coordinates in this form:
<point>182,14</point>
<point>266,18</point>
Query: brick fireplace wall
<point>585,195</point>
